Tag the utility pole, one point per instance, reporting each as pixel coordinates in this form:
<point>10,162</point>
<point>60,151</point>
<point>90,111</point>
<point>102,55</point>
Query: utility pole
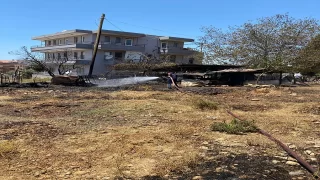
<point>96,44</point>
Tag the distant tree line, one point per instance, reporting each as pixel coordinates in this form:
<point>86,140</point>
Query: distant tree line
<point>277,43</point>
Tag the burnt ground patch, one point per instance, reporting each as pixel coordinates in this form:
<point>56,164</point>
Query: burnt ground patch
<point>36,130</point>
<point>253,107</point>
<point>242,166</point>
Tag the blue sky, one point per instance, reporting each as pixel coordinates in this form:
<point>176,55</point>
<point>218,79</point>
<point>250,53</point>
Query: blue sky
<point>22,19</point>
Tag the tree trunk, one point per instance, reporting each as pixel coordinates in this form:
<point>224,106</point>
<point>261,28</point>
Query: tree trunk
<point>259,77</point>
<point>280,78</point>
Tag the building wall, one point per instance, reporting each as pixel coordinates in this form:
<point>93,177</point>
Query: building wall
<point>151,44</point>
<point>102,66</point>
<point>113,39</point>
<point>88,38</point>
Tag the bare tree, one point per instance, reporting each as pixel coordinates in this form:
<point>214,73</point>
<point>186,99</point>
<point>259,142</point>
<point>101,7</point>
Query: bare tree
<point>64,61</point>
<point>271,43</point>
<point>40,62</point>
<point>146,63</point>
<point>35,60</point>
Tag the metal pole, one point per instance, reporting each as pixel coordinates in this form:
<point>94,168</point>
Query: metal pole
<point>96,44</point>
<point>301,161</point>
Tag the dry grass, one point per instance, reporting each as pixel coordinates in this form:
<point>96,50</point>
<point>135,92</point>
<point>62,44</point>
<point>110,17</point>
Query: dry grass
<point>132,134</point>
<point>7,148</point>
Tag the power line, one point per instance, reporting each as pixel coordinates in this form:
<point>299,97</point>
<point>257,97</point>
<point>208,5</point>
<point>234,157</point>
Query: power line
<point>147,27</point>
<point>113,24</point>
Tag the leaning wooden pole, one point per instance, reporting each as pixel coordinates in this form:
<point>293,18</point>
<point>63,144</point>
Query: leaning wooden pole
<point>293,154</point>
<point>96,44</point>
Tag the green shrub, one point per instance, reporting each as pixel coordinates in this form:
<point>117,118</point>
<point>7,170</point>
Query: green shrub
<point>27,73</point>
<point>206,105</point>
<point>235,127</point>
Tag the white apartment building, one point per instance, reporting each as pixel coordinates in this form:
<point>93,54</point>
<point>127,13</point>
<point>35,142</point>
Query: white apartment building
<point>77,47</point>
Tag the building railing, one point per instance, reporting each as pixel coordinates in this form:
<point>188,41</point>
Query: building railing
<point>175,50</point>
<point>119,43</point>
<point>89,42</point>
<point>63,44</point>
<point>63,59</point>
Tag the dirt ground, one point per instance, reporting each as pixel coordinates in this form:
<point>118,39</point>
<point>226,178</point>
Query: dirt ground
<point>149,132</point>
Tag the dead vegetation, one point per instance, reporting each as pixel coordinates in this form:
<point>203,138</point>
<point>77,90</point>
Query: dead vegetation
<point>79,133</point>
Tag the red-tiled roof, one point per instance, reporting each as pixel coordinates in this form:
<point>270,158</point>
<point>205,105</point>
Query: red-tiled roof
<point>8,61</point>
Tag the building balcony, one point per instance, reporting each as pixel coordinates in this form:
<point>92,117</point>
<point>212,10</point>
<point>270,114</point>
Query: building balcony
<point>112,46</point>
<point>67,61</point>
<point>80,45</point>
<point>176,51</point>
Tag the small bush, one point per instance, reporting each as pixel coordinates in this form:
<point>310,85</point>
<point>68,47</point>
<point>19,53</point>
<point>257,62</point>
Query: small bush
<point>235,127</point>
<point>206,105</point>
<point>7,147</point>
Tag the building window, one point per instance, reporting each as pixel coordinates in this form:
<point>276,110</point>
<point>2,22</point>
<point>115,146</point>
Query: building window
<point>107,39</point>
<point>48,56</point>
<point>65,55</point>
<point>173,58</point>
<point>59,56</point>
<point>164,45</point>
<point>75,39</point>
<point>128,42</point>
<point>53,56</point>
<point>49,43</point>
<point>107,55</point>
<point>66,41</point>
<point>82,55</point>
<point>82,38</point>
<point>118,40</point>
<point>175,44</point>
<point>60,41</point>
<point>75,55</point>
<point>54,42</point>
<point>118,55</point>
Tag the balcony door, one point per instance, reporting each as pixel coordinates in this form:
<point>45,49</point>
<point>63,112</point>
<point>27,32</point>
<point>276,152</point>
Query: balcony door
<point>164,45</point>
<point>75,40</point>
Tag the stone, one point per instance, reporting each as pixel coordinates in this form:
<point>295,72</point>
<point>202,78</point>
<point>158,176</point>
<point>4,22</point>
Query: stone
<point>197,178</point>
<point>294,94</point>
<point>275,161</point>
<point>292,159</point>
<point>314,159</point>
<point>312,154</point>
<point>218,169</point>
<point>292,146</point>
<point>281,157</point>
<point>296,173</point>
<point>204,147</point>
<point>37,174</point>
<point>307,152</point>
<point>292,163</point>
<point>205,143</point>
<point>68,173</point>
<point>80,173</point>
<point>212,117</point>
